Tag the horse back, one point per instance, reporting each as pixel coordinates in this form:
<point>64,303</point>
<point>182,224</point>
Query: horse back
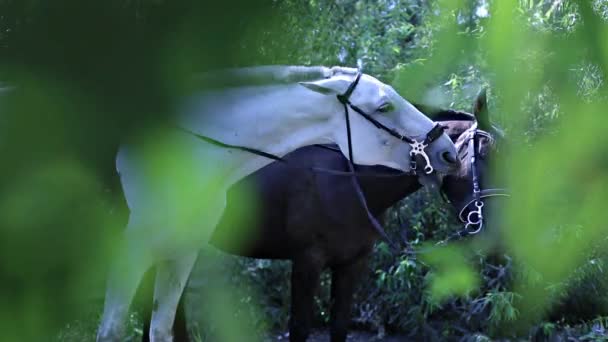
<point>274,189</point>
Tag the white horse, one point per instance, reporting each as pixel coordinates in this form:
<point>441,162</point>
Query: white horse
<point>175,182</point>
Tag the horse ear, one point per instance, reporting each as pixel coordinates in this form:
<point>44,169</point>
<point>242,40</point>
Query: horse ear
<point>480,110</point>
<point>327,86</point>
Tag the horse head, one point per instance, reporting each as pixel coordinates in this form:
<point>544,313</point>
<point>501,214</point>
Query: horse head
<point>472,189</point>
<point>380,121</point>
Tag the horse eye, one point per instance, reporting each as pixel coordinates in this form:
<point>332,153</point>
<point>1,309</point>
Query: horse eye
<point>385,108</point>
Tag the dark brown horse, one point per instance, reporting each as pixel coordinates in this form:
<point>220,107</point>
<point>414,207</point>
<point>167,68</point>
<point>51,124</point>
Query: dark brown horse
<point>315,220</point>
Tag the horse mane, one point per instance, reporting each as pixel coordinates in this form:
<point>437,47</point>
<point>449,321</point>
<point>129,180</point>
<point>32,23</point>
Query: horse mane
<point>442,114</point>
<point>263,75</point>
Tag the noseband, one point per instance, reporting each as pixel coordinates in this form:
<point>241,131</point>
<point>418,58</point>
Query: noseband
<point>471,213</point>
<point>417,146</point>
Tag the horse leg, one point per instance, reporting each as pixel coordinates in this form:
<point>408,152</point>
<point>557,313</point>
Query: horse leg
<point>180,326</point>
<point>144,296</point>
<point>305,276</point>
<point>159,230</point>
<point>123,281</point>
<point>171,278</point>
<point>143,299</point>
<point>343,282</point>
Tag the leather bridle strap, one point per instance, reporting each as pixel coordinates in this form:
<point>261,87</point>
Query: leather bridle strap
<point>472,149</point>
<point>375,224</point>
<point>284,161</point>
<point>378,124</point>
<point>434,133</point>
<point>236,147</point>
<point>344,99</point>
<point>417,147</point>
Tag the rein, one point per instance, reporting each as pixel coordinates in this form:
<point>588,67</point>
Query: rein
<point>332,172</point>
<point>417,148</point>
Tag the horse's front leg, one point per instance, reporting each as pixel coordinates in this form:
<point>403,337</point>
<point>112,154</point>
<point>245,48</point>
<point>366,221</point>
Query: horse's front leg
<point>143,302</point>
<point>344,279</point>
<point>145,295</point>
<point>305,274</point>
<point>125,275</point>
<point>171,278</point>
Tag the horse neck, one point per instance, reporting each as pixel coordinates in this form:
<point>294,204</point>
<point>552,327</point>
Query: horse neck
<point>383,192</point>
<point>276,119</point>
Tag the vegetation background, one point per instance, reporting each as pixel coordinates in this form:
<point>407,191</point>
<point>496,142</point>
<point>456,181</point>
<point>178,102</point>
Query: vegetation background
<point>77,76</point>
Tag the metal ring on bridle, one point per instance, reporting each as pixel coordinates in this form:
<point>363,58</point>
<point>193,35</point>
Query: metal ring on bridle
<point>475,218</point>
<point>482,194</point>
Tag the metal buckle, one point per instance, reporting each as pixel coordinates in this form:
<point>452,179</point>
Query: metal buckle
<point>413,164</point>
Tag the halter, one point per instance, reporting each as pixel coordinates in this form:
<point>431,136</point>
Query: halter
<point>417,146</point>
<point>473,218</point>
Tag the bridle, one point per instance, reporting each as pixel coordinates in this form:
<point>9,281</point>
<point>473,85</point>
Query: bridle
<point>471,214</point>
<point>417,146</point>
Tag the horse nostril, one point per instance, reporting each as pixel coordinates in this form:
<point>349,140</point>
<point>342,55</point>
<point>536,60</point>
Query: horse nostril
<point>449,158</point>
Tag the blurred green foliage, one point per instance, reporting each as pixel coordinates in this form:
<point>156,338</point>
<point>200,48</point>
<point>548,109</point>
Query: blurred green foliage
<point>76,77</point>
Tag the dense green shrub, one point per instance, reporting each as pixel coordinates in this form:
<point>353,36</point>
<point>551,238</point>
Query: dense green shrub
<point>394,296</point>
